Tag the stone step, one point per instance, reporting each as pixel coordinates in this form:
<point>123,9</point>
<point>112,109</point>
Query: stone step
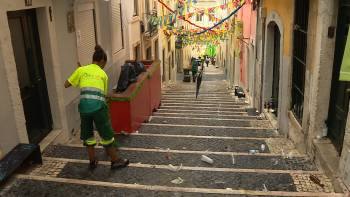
<point>24,185</point>
<point>193,179</point>
<point>199,94</point>
<point>203,131</point>
<point>164,104</point>
<point>194,92</point>
<point>199,115</point>
<point>207,111</point>
<point>252,162</point>
<point>230,109</point>
<point>195,143</point>
<point>212,122</point>
<point>208,101</point>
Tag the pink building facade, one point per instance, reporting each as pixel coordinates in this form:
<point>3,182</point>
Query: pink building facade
<point>248,16</point>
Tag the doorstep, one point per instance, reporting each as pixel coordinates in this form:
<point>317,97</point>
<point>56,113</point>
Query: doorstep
<point>46,142</point>
<point>327,159</point>
<point>271,117</point>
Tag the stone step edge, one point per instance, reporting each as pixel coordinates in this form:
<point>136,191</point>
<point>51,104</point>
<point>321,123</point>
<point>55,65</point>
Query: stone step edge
<point>164,150</point>
<point>195,136</point>
<point>189,168</point>
<point>206,126</point>
<point>173,189</point>
<point>198,114</point>
<point>219,119</point>
<point>196,104</point>
<point>179,110</point>
<point>188,107</point>
<point>169,101</point>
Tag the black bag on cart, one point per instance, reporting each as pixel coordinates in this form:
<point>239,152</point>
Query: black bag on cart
<point>127,77</point>
<point>139,67</point>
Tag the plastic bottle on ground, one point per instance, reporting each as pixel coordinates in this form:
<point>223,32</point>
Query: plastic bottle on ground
<point>251,152</point>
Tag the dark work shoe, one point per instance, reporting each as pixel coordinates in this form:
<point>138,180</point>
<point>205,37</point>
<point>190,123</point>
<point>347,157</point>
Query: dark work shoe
<point>93,164</point>
<point>119,163</point>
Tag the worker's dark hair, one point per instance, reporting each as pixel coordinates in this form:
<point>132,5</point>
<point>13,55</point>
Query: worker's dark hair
<point>99,54</point>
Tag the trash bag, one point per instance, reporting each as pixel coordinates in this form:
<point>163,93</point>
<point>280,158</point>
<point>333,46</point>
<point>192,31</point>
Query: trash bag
<point>139,67</point>
<point>127,77</point>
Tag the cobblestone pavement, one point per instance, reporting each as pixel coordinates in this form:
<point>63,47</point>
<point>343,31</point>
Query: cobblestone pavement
<point>216,125</point>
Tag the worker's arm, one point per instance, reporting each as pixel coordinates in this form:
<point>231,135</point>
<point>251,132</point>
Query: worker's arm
<point>67,84</point>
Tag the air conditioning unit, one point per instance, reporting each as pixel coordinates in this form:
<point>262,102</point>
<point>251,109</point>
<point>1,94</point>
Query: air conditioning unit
<point>263,12</point>
<point>252,40</point>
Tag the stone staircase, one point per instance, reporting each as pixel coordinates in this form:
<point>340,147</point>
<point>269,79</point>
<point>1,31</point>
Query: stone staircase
<point>215,124</point>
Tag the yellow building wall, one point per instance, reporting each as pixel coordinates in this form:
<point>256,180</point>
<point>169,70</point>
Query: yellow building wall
<point>284,9</point>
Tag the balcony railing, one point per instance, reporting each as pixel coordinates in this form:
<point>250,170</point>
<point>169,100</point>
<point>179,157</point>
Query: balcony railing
<point>150,29</point>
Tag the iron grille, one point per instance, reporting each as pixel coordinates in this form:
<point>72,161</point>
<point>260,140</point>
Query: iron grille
<point>299,57</point>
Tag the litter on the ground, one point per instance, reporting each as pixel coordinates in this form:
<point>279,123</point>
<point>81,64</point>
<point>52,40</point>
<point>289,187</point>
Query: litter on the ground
<point>316,180</point>
<point>265,189</point>
<point>165,121</point>
<point>207,159</point>
<point>219,182</point>
<point>149,119</point>
<point>139,163</point>
<point>262,147</point>
<point>233,159</point>
<point>177,181</point>
<point>290,156</point>
<point>274,161</point>
<point>205,152</point>
<point>171,167</point>
<point>228,188</point>
<point>253,152</point>
<point>158,148</point>
<point>269,140</point>
<point>168,154</point>
<point>283,154</point>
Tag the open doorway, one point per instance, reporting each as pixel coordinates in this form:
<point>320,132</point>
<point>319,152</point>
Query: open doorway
<point>31,74</point>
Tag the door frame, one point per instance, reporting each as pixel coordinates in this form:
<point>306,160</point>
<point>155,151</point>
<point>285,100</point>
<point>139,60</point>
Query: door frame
<point>336,84</point>
<point>49,47</point>
<point>38,81</point>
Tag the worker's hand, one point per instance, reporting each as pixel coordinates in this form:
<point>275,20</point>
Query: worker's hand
<point>67,84</point>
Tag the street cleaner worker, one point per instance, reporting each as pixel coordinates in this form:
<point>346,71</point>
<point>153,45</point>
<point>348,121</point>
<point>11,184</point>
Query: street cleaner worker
<point>93,81</point>
<point>194,66</point>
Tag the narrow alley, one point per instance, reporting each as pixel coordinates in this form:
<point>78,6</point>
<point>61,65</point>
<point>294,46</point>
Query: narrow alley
<point>179,133</point>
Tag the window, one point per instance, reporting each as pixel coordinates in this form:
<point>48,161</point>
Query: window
<point>118,43</point>
<point>299,58</point>
<point>211,13</point>
<point>199,17</point>
<point>86,17</point>
<point>136,4</point>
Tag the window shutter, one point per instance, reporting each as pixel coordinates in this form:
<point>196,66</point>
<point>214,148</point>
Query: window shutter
<point>88,37</point>
<point>117,29</point>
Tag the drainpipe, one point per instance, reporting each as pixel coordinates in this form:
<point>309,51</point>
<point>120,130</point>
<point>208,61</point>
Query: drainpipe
<point>262,62</point>
<point>255,53</point>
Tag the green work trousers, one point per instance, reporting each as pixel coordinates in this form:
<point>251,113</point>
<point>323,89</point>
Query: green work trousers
<point>103,125</point>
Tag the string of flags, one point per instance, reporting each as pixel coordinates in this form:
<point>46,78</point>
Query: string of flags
<point>219,35</point>
<point>208,10</point>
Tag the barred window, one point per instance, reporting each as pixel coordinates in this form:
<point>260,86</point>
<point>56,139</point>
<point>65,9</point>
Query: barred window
<point>299,58</point>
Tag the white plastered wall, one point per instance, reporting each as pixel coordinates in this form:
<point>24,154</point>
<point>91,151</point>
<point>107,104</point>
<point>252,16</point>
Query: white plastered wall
<point>13,120</point>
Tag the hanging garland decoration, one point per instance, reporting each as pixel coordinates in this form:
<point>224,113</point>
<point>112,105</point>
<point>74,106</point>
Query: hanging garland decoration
<point>206,37</point>
<point>234,12</point>
<point>206,11</point>
<point>181,16</point>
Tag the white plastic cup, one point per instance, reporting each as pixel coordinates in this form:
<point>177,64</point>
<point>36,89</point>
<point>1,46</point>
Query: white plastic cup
<point>207,159</point>
<point>262,147</point>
